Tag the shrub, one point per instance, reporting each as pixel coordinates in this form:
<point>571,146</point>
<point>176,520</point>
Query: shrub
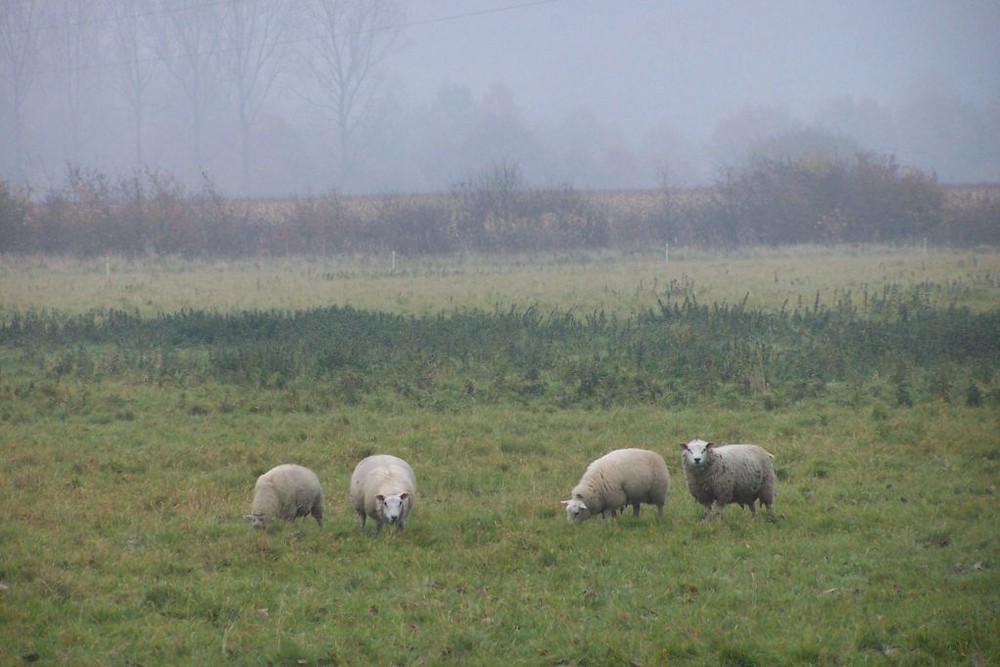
<point>15,230</point>
<point>811,199</point>
<point>415,225</point>
<point>561,218</point>
<point>971,217</point>
<point>317,225</point>
<point>79,218</point>
<point>487,204</point>
<point>495,213</point>
<point>820,198</point>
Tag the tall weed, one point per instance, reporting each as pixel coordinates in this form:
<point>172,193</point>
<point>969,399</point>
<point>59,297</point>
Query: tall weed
<point>681,352</point>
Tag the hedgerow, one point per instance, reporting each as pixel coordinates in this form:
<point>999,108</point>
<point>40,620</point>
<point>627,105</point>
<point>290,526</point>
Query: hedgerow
<point>818,199</point>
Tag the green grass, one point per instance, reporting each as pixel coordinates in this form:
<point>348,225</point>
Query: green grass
<point>122,541</point>
<point>765,278</point>
<point>121,503</point>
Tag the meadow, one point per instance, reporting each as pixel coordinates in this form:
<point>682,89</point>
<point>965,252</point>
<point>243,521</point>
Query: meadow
<point>141,398</point>
<point>586,282</point>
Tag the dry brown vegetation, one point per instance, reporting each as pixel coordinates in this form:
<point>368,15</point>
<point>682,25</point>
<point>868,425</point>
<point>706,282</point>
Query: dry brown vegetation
<point>872,200</point>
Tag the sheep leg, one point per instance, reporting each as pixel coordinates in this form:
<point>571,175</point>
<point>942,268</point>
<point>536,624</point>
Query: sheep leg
<point>635,509</point>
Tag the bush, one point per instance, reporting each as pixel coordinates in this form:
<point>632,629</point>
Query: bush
<point>144,212</point>
<point>972,217</point>
<point>15,231</point>
<point>495,213</point>
<point>813,199</point>
<point>415,225</point>
<point>819,198</point>
<point>313,225</point>
<point>487,205</point>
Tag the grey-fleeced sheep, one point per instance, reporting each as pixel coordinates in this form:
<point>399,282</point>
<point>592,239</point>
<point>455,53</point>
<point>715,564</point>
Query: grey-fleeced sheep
<point>287,491</point>
<point>383,487</point>
<point>724,474</point>
<point>619,478</point>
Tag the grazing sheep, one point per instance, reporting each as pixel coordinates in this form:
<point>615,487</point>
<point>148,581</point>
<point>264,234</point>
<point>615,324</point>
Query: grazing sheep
<point>619,478</point>
<point>383,488</point>
<point>724,474</point>
<point>287,491</point>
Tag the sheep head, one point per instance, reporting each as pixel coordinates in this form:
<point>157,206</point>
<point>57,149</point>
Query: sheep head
<point>576,510</point>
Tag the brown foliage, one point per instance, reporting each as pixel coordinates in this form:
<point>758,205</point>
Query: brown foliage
<point>814,200</point>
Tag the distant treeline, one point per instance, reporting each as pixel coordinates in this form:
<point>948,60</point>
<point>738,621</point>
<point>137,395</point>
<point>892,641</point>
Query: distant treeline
<point>897,345</point>
<point>866,198</point>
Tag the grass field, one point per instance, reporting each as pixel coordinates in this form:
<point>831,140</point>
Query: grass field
<point>766,278</point>
<point>121,538</point>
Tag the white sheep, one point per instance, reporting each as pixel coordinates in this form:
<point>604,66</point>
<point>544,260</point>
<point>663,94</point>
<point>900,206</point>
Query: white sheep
<point>383,487</point>
<point>724,474</point>
<point>619,478</point>
<point>287,491</point>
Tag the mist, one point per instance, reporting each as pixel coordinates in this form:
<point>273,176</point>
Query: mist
<point>275,98</point>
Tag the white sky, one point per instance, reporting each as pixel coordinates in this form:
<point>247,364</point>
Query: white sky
<point>687,63</point>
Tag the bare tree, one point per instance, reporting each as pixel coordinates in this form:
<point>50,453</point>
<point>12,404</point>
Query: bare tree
<point>187,43</point>
<point>253,31</point>
<point>135,60</point>
<point>76,51</point>
<point>20,52</point>
<point>353,38</point>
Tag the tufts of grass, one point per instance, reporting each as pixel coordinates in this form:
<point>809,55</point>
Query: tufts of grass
<point>126,473</point>
<point>123,542</point>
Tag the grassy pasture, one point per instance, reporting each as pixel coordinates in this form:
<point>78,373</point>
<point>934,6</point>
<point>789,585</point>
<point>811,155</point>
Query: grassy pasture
<point>765,278</point>
<point>120,499</point>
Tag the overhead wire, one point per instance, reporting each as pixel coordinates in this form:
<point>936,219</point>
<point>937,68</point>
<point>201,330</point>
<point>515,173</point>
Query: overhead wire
<point>216,51</point>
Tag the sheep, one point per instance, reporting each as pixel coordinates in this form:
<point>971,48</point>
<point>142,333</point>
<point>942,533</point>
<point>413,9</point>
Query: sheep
<point>724,474</point>
<point>287,491</point>
<point>383,487</point>
<point>619,478</point>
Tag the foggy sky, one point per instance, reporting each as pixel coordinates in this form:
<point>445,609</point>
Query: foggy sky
<point>590,93</point>
<point>642,62</point>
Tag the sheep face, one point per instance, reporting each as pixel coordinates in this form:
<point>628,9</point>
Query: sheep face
<point>392,508</point>
<point>257,520</point>
<point>697,453</point>
<point>576,510</point>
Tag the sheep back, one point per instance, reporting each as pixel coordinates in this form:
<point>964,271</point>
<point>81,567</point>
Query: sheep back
<point>383,487</point>
<point>287,491</point>
<point>622,477</point>
<point>725,474</point>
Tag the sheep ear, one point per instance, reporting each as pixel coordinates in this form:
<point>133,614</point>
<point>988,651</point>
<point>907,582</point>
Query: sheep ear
<point>684,446</point>
<point>564,502</point>
<point>380,498</point>
<point>404,496</point>
<point>248,518</point>
<point>579,496</point>
<point>709,445</point>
